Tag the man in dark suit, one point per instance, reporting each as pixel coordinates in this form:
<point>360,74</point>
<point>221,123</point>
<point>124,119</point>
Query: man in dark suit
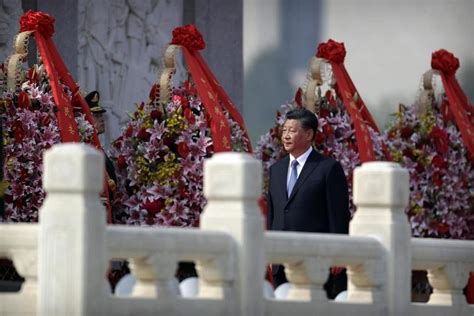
<point>307,191</point>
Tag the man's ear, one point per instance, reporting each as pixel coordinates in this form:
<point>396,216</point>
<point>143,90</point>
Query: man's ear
<point>309,134</point>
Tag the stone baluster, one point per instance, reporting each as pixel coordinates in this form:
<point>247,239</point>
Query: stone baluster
<point>72,260</point>
<point>448,282</point>
<point>381,191</point>
<point>232,185</point>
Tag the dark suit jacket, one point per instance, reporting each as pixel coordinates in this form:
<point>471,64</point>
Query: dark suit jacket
<point>319,201</point>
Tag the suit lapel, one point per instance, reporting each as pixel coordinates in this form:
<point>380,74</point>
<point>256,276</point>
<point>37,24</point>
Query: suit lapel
<point>309,166</point>
<point>282,176</point>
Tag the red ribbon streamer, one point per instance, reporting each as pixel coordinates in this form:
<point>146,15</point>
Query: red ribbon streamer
<point>335,53</point>
<point>212,94</point>
<point>226,102</point>
<point>463,113</point>
<point>219,125</point>
<point>42,24</point>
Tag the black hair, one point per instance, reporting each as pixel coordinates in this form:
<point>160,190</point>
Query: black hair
<point>91,96</point>
<point>307,118</point>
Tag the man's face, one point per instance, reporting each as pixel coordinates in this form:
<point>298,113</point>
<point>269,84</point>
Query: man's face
<point>99,122</point>
<point>296,140</point>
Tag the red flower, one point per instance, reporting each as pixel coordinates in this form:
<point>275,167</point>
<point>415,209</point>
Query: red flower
<point>135,215</point>
<point>118,142</point>
<point>406,132</point>
<point>353,146</point>
<point>442,228</point>
<point>149,220</point>
<point>265,156</point>
<point>332,51</point>
<point>189,115</point>
<point>437,179</point>
<point>440,138</point>
<point>121,162</point>
<point>182,100</point>
<point>8,198</point>
<point>168,141</point>
<point>24,101</point>
<point>330,98</point>
<point>153,207</point>
<point>18,132</point>
<point>37,21</point>
<point>189,37</point>
<point>439,162</point>
<point>444,61</point>
<point>155,115</point>
<point>392,133</point>
<point>129,131</point>
<point>323,113</point>
<point>32,75</point>
<point>143,134</point>
<point>319,138</point>
<point>45,120</point>
<point>189,88</point>
<point>327,130</point>
<point>408,152</point>
<point>419,167</point>
<point>183,149</point>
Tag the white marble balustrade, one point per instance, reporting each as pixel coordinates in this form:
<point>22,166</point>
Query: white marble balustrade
<point>65,257</point>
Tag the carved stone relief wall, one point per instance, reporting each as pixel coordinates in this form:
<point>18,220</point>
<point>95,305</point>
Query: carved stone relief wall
<point>121,43</point>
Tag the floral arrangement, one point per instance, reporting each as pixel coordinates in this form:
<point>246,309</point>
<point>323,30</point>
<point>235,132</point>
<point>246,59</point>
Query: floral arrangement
<point>159,158</point>
<point>29,128</point>
<point>428,143</point>
<point>335,138</point>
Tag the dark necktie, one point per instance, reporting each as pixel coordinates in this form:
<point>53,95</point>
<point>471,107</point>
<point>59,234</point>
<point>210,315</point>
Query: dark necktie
<point>293,176</point>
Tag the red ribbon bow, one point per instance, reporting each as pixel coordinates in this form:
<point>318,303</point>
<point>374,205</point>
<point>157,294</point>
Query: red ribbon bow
<point>189,37</point>
<point>332,51</point>
<point>37,21</point>
<point>445,62</point>
<point>459,106</point>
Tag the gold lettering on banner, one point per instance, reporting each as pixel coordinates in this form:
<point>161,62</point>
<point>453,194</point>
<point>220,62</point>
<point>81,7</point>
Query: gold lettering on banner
<point>221,124</point>
<point>347,94</point>
<point>225,142</point>
<point>209,94</point>
<point>353,105</point>
<point>71,130</point>
<point>362,127</point>
<point>66,112</point>
<point>358,118</point>
<point>203,81</point>
<point>216,110</point>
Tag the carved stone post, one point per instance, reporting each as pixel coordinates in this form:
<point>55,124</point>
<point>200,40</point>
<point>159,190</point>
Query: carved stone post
<point>232,185</point>
<point>448,282</point>
<point>307,278</point>
<point>381,191</point>
<point>72,262</point>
